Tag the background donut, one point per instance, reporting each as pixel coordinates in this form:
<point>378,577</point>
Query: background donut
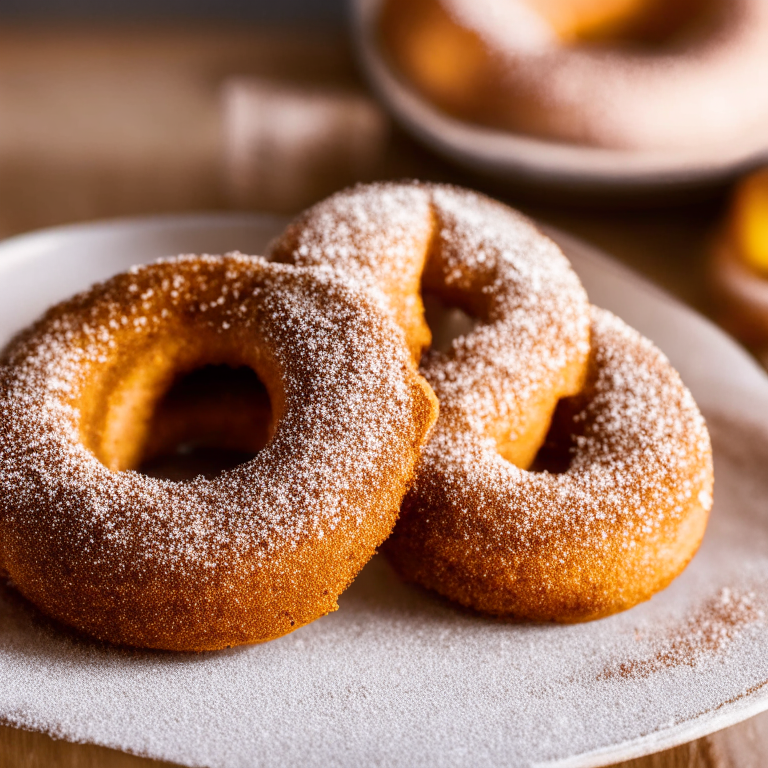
<point>531,342</point>
<point>505,65</point>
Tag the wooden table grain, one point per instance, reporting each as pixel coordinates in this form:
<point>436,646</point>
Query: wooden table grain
<point>113,121</point>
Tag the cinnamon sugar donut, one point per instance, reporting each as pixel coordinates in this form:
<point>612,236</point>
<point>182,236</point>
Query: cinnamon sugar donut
<point>661,76</point>
<point>265,547</point>
<point>504,379</point>
<point>476,526</point>
<point>739,263</point>
<point>616,524</point>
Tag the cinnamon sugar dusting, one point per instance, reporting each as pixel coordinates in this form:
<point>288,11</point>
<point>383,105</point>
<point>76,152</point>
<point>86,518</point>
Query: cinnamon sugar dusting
<point>616,526</point>
<point>707,635</point>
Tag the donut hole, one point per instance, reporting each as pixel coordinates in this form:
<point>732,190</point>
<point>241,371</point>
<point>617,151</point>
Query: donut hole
<point>447,321</point>
<point>557,450</point>
<point>210,420</point>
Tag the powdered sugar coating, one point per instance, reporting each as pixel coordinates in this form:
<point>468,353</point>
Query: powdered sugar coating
<point>616,526</point>
<point>376,235</point>
<point>253,553</point>
<point>532,339</point>
<point>531,343</point>
<point>700,89</point>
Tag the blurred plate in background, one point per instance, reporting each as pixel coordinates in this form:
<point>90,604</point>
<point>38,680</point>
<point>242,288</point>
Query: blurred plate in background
<point>546,165</point>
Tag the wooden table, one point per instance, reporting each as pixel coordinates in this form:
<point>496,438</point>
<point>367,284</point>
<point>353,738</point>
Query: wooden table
<point>100,122</point>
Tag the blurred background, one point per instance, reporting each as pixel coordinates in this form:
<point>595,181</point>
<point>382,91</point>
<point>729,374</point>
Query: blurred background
<point>293,11</point>
<point>136,107</point>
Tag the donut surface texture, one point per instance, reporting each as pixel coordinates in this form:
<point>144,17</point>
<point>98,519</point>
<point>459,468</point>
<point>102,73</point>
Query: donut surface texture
<point>618,525</point>
<point>476,526</point>
<point>501,381</point>
<point>260,550</point>
<point>505,65</point>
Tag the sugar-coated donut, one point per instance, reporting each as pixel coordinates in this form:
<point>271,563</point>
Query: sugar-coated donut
<point>254,553</point>
<point>529,67</point>
<point>531,344</point>
<point>630,510</point>
<point>620,522</point>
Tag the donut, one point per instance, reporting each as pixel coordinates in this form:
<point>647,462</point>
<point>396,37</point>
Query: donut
<point>616,510</point>
<point>739,263</point>
<point>748,221</point>
<point>531,344</point>
<point>247,556</point>
<point>497,518</point>
<point>632,75</point>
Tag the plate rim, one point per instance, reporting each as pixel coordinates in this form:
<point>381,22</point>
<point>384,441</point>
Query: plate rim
<point>38,239</point>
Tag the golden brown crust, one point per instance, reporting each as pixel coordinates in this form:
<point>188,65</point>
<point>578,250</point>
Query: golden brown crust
<point>254,553</point>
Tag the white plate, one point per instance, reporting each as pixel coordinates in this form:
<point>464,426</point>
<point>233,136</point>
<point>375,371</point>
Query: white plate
<point>521,159</point>
<point>397,677</point>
